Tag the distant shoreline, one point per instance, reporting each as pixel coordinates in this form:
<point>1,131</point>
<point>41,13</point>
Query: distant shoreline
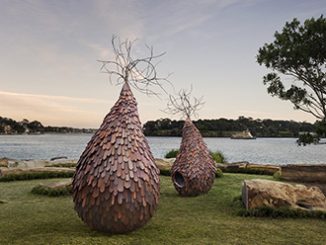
<point>215,128</point>
<point>323,140</point>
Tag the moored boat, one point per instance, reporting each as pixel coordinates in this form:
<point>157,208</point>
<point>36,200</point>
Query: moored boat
<point>246,135</point>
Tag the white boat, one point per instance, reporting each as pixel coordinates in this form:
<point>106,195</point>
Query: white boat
<point>245,135</point>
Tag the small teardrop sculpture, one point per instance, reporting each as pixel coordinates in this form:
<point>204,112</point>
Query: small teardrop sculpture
<point>116,184</point>
<point>193,171</point>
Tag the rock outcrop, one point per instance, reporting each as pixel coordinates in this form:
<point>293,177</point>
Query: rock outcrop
<point>54,189</point>
<point>266,193</point>
<point>4,162</point>
<point>58,185</point>
<point>245,167</point>
<point>52,171</point>
<point>164,162</point>
<point>304,173</point>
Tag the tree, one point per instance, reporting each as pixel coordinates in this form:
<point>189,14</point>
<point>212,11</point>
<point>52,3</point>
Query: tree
<point>299,53</point>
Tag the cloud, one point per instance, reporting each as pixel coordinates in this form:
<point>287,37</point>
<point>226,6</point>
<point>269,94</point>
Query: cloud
<point>53,110</point>
<point>102,52</point>
<point>51,47</point>
<point>56,44</point>
<point>53,97</point>
<point>182,16</point>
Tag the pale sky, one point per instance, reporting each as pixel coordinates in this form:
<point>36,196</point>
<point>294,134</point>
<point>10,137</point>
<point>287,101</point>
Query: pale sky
<point>48,53</point>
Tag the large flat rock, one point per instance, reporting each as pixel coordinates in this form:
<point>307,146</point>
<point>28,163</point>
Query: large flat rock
<point>58,185</point>
<point>4,162</point>
<point>164,163</point>
<point>17,171</point>
<point>266,193</point>
<point>32,166</point>
<point>304,173</point>
<point>243,167</point>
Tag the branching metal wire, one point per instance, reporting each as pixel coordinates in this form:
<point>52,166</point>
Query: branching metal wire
<point>184,104</point>
<point>140,73</point>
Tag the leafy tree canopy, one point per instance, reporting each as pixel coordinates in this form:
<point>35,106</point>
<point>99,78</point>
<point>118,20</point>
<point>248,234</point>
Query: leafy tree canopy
<point>299,53</point>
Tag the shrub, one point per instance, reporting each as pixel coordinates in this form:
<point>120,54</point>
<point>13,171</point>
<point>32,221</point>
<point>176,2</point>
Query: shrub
<point>216,155</point>
<point>48,191</point>
<point>237,203</point>
<point>257,171</point>
<point>218,173</point>
<point>165,172</point>
<point>172,153</point>
<point>35,175</point>
<point>307,139</point>
<point>277,175</point>
<point>282,213</point>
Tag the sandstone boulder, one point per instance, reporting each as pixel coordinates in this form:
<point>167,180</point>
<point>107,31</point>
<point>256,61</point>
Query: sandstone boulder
<point>4,162</point>
<point>245,167</point>
<point>60,188</point>
<point>266,167</point>
<point>36,163</point>
<point>266,193</point>
<point>58,185</point>
<point>164,163</point>
<point>29,163</point>
<point>322,186</point>
<point>35,170</point>
<point>66,163</point>
<point>304,173</point>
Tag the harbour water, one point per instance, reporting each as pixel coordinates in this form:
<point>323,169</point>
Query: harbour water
<point>261,150</point>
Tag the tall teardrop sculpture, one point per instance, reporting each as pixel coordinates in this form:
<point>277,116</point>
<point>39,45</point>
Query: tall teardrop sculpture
<point>193,171</point>
<point>116,184</point>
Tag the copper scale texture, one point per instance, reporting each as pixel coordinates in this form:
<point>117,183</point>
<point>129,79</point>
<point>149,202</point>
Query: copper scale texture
<point>116,185</point>
<point>193,171</point>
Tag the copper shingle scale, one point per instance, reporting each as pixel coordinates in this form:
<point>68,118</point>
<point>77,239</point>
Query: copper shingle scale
<point>193,171</point>
<point>116,184</point>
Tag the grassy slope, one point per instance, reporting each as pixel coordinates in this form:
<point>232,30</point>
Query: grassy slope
<point>209,219</point>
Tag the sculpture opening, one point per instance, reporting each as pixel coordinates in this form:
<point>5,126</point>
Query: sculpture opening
<point>179,180</point>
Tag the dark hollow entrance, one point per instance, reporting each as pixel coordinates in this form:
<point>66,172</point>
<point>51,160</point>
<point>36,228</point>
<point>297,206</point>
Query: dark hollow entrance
<point>179,180</point>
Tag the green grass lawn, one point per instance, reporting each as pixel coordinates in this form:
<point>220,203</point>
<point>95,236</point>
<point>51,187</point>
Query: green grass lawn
<point>26,218</point>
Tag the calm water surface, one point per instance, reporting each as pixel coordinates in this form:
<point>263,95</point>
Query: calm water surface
<point>261,150</point>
